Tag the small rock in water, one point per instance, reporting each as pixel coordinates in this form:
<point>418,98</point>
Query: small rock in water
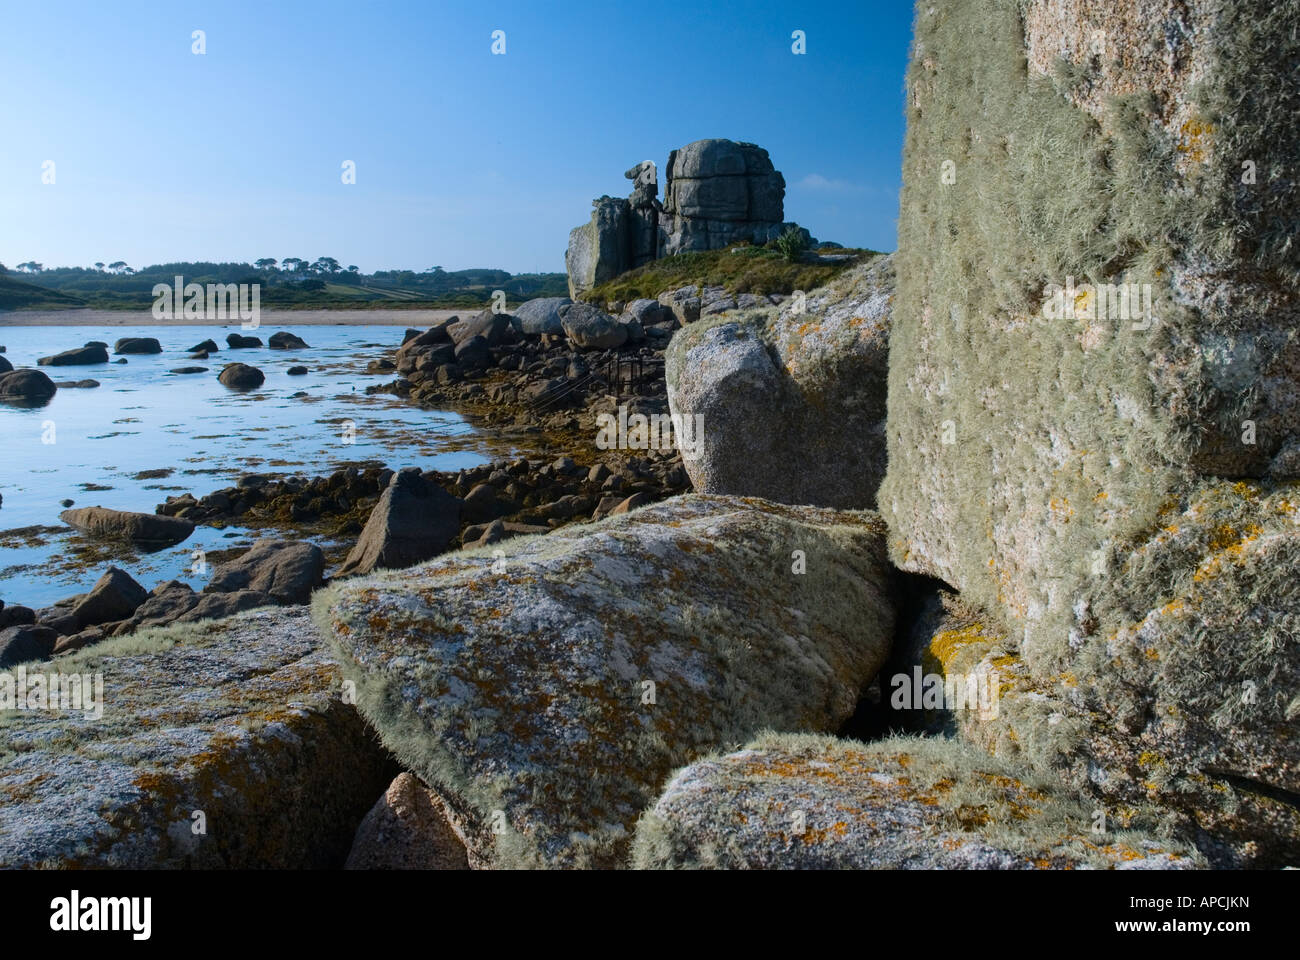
<point>297,371</point>
<point>67,503</point>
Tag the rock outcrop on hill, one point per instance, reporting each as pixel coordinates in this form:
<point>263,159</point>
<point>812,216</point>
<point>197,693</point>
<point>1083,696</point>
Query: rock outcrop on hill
<point>717,192</point>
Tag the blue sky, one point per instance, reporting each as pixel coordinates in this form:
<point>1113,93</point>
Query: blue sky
<point>463,158</point>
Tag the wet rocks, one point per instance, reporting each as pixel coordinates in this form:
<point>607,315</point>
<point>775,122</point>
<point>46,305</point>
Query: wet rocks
<point>80,356</point>
<point>136,345</point>
<point>206,346</point>
<point>237,341</point>
<point>283,340</point>
<point>415,519</point>
<point>240,376</point>
<point>147,530</point>
<point>26,386</point>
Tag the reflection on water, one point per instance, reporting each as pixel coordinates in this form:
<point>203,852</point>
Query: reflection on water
<point>146,433</point>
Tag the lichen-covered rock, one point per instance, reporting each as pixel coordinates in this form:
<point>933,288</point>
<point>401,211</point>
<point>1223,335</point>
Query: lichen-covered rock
<point>407,829</point>
<point>1101,145</point>
<point>809,802</point>
<point>718,192</point>
<point>1187,700</point>
<point>792,399</point>
<point>223,744</point>
<point>545,686</point>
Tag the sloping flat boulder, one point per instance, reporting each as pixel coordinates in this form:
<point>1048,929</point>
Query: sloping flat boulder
<point>545,686</point>
<point>414,520</point>
<point>222,745</point>
<point>809,802</point>
<point>142,529</point>
<point>790,402</point>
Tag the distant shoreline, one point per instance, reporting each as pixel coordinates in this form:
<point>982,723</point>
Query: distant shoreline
<point>90,317</point>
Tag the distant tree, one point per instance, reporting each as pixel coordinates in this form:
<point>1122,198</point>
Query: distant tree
<point>31,266</point>
<point>326,265</point>
<point>99,265</point>
<point>293,263</point>
<point>117,266</point>
<point>354,269</point>
<point>3,268</point>
<point>266,263</point>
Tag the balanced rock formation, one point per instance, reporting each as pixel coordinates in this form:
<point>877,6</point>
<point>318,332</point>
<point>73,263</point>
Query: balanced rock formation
<point>817,803</point>
<point>718,192</point>
<point>251,757</point>
<point>544,696</point>
<point>790,401</point>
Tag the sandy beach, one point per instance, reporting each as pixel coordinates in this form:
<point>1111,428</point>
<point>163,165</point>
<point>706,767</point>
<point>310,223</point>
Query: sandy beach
<point>83,317</point>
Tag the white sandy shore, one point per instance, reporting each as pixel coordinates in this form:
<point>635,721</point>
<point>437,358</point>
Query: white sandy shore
<point>84,317</point>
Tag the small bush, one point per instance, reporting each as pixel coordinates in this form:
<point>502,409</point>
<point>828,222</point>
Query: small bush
<point>792,244</point>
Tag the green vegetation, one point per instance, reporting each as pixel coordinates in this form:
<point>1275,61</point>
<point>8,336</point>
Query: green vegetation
<point>291,283</point>
<point>791,244</point>
<point>15,294</point>
<point>741,269</point>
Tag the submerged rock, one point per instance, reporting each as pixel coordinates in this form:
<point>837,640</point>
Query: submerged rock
<point>129,345</point>
<point>808,802</point>
<point>237,341</point>
<point>544,693</point>
<point>240,376</point>
<point>78,357</point>
<point>283,340</point>
<point>219,745</point>
<point>26,386</point>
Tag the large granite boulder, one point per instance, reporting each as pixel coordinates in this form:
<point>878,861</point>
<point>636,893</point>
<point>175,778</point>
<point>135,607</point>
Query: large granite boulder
<point>590,328</point>
<point>137,345</point>
<point>540,690</point>
<point>790,402</point>
<point>415,519</point>
<point>240,376</point>
<point>147,530</point>
<point>228,744</point>
<point>817,803</point>
<point>540,315</point>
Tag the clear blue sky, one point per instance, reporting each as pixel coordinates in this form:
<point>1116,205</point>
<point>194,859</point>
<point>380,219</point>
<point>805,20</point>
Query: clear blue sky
<point>464,159</point>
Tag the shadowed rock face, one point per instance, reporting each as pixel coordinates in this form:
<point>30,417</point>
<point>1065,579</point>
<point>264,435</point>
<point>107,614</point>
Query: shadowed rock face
<point>541,682</point>
<point>792,401</point>
<point>26,387</point>
<point>241,719</point>
<point>287,570</point>
<point>414,520</point>
<point>407,829</point>
<point>806,802</point>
